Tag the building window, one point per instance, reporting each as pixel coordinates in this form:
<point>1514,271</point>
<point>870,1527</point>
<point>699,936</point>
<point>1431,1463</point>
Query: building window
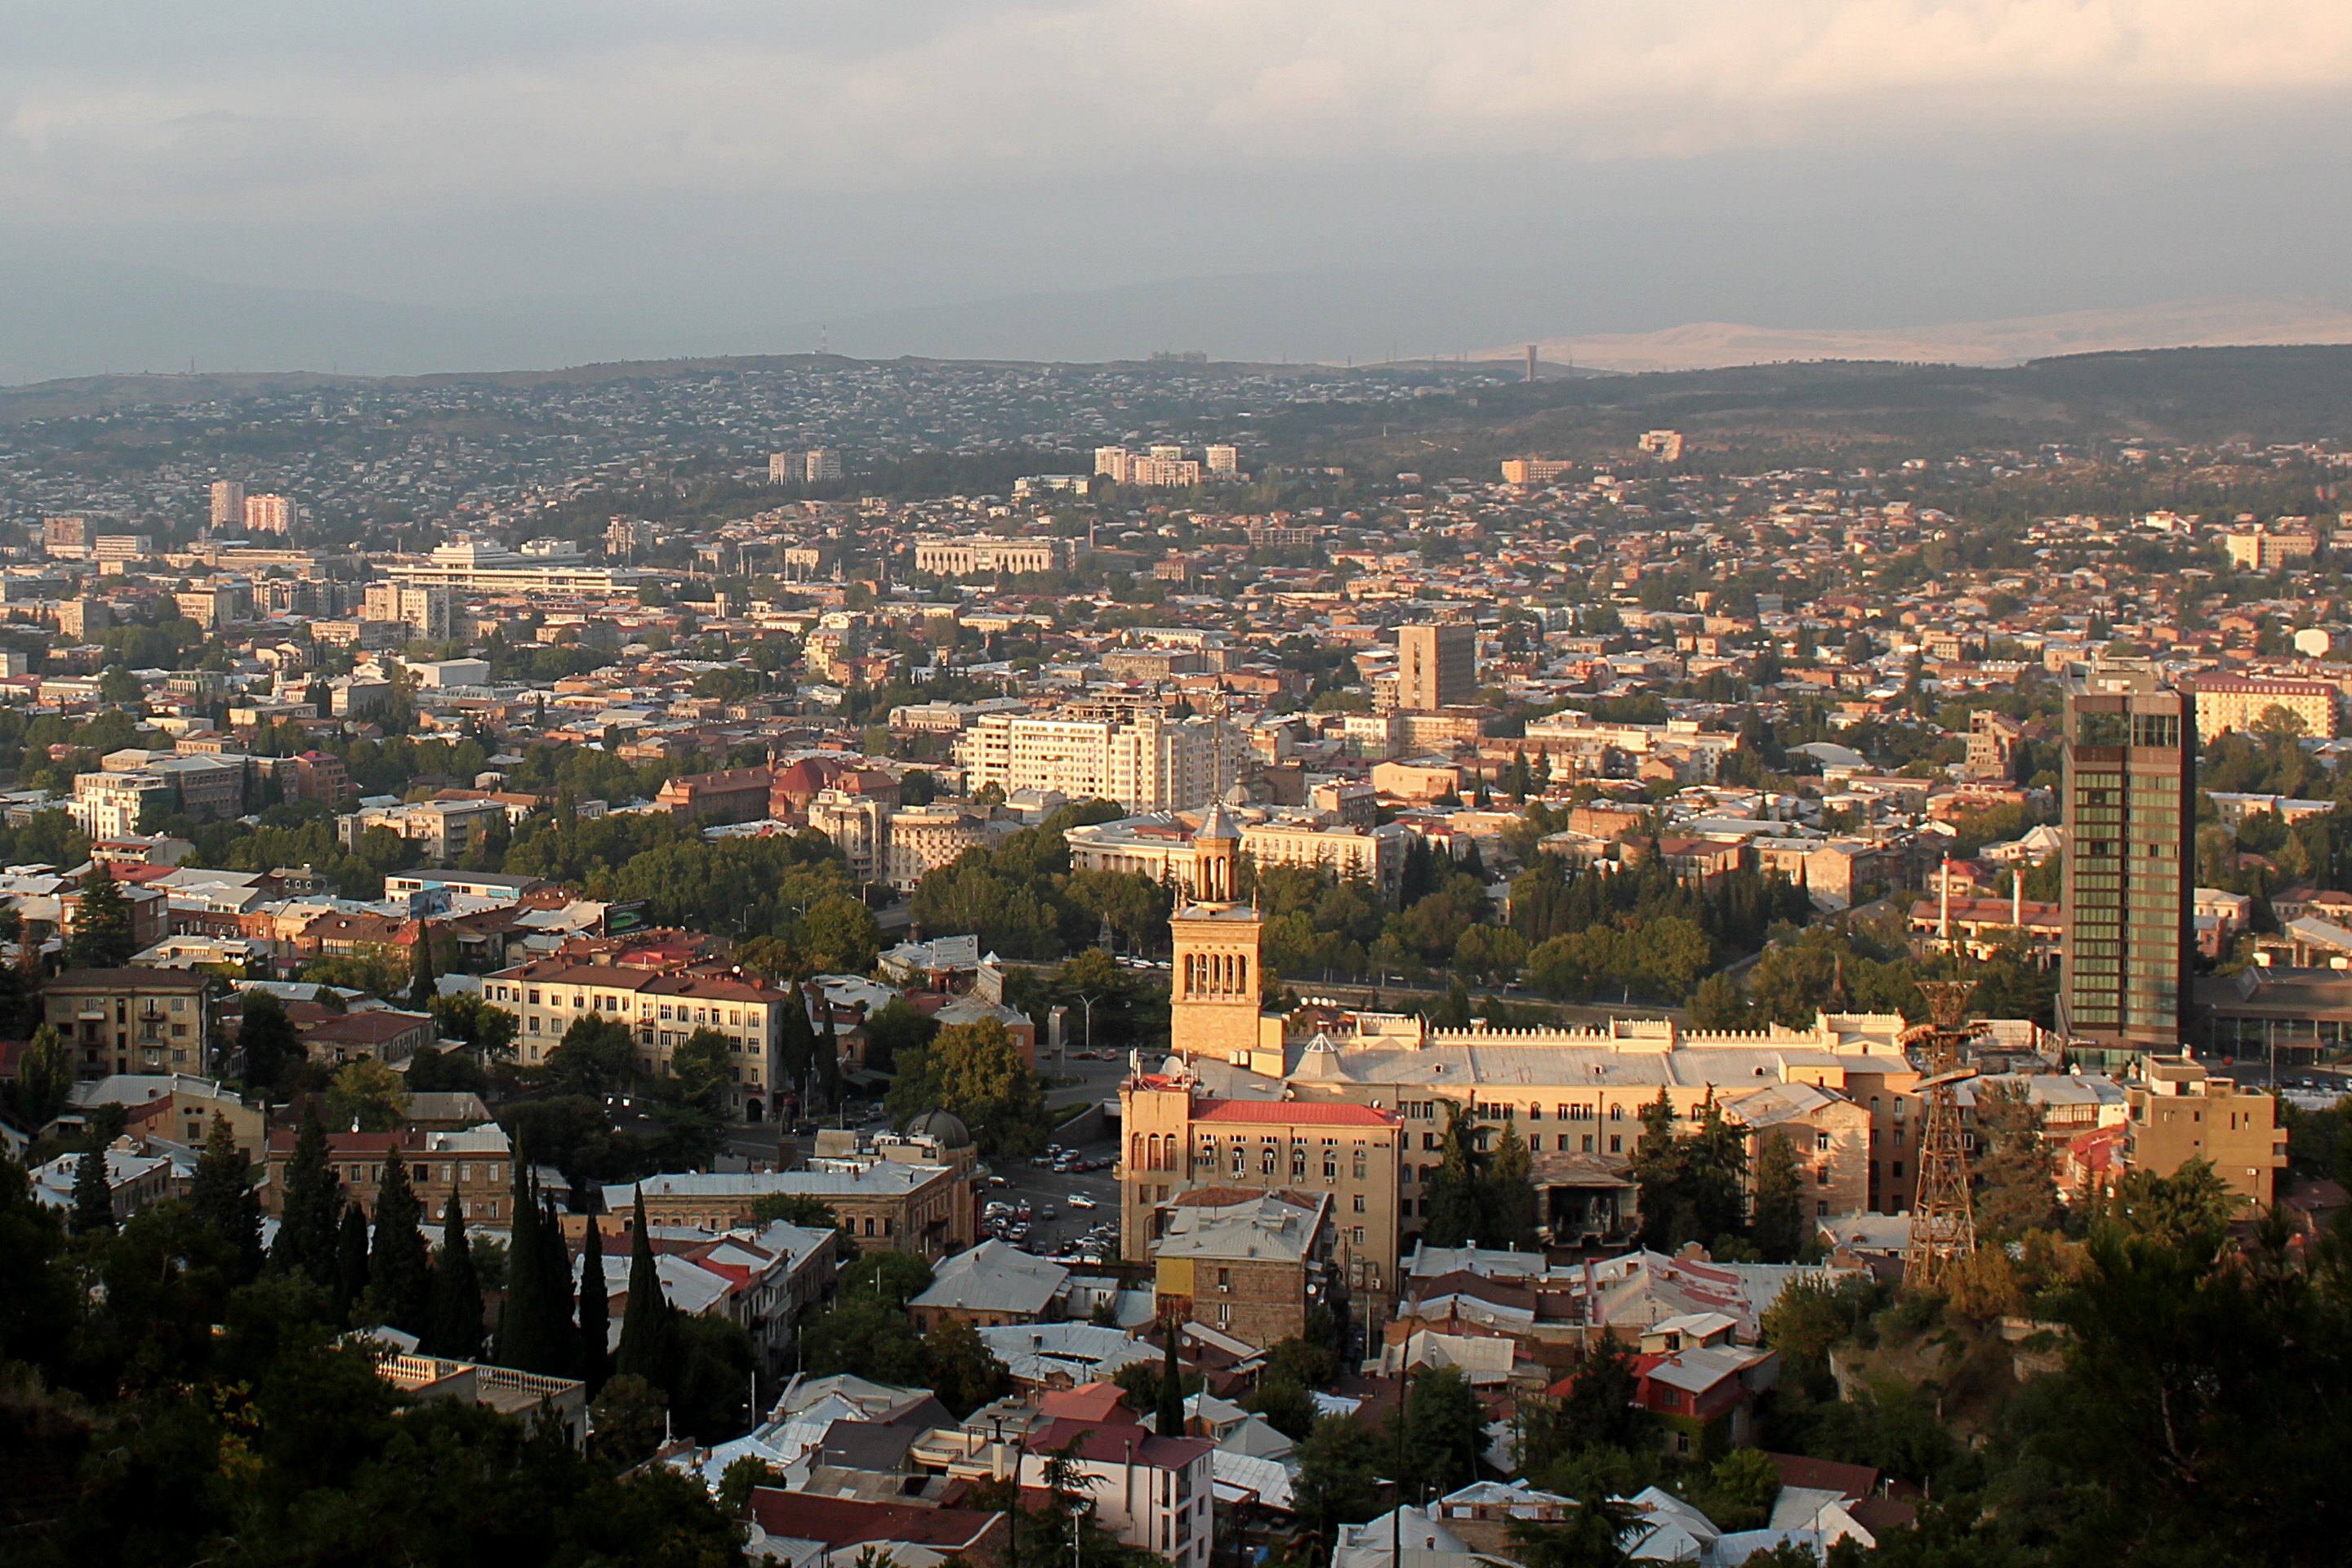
<point>1359,1236</point>
<point>1616,1143</point>
<point>1360,1202</point>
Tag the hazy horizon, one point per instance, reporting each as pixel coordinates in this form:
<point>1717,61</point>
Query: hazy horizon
<point>265,186</point>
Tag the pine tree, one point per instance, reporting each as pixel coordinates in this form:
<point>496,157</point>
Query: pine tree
<point>1455,1205</point>
<point>1510,1194</point>
<point>222,1196</point>
<point>44,1077</point>
<point>265,1040</point>
<point>102,936</point>
<point>644,1321</point>
<point>313,1209</point>
<point>93,1198</point>
<point>351,1262</point>
<point>595,1312</point>
<point>421,988</point>
<point>1170,1418</point>
<point>456,1328</point>
<point>399,1272</point>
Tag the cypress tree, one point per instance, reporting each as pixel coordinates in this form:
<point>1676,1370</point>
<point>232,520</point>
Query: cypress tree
<point>314,1207</point>
<point>521,1320</point>
<point>559,1333</point>
<point>351,1262</point>
<point>796,1044</point>
<point>456,1327</point>
<point>93,1198</point>
<point>1171,1415</point>
<point>399,1272</point>
<point>828,1058</point>
<point>595,1313</point>
<point>421,988</point>
<point>222,1196</point>
<point>644,1321</point>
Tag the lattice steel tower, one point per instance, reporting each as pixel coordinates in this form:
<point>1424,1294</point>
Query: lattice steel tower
<point>1943,1225</point>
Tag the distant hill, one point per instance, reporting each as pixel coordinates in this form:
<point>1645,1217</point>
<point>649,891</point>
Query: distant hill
<point>2199,394</point>
<point>2185,323</point>
<point>1876,412</point>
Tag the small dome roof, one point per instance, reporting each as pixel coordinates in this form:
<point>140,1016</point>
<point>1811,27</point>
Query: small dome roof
<point>1217,826</point>
<point>943,1127</point>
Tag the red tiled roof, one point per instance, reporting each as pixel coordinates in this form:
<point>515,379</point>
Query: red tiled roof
<point>1117,1444</point>
<point>842,1523</point>
<point>1095,1403</point>
<point>1295,1113</point>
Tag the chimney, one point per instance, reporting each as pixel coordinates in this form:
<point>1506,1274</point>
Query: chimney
<point>1944,919</point>
<point>2017,895</point>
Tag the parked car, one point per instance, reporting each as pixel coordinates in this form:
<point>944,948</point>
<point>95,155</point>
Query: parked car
<point>1080,1201</point>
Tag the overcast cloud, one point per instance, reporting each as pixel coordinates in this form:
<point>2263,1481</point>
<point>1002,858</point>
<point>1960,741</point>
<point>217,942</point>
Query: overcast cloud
<point>636,177</point>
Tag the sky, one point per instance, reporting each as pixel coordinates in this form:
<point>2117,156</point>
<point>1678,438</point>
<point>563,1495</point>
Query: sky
<point>438,184</point>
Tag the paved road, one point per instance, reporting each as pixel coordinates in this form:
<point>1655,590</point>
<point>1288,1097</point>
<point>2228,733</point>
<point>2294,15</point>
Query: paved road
<point>2255,1073</point>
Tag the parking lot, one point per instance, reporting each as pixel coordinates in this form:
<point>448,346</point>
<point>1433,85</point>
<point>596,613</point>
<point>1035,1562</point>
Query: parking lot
<point>1043,1188</point>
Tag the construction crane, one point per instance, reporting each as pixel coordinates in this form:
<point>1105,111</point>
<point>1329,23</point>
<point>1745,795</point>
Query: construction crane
<point>1943,1223</point>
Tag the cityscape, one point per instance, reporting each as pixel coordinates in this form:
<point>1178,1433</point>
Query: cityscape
<point>1190,959</point>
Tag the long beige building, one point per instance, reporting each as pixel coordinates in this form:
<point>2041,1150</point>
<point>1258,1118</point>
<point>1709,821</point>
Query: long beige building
<point>661,1010</point>
<point>1147,762</point>
<point>988,555</point>
<point>2238,702</point>
<point>1161,846</point>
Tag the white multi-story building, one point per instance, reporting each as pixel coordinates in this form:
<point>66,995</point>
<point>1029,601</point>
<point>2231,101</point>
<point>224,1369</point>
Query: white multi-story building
<point>1149,763</point>
<point>271,514</point>
<point>922,838</point>
<point>429,613</point>
<point>859,826</point>
<point>661,1011</point>
<point>541,566</point>
<point>228,503</point>
<point>986,554</point>
<point>109,805</point>
<point>1159,847</point>
<point>1152,1492</point>
<point>447,828</point>
<point>1224,461</point>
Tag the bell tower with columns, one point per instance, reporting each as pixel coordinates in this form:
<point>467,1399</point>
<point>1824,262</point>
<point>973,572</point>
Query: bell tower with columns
<point>1213,991</point>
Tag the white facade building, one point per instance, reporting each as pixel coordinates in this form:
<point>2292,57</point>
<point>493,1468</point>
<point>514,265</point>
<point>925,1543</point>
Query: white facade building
<point>1148,763</point>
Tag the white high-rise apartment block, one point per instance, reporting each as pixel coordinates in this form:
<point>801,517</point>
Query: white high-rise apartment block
<point>109,805</point>
<point>1114,463</point>
<point>1149,763</point>
<point>429,613</point>
<point>228,503</point>
<point>820,465</point>
<point>271,514</point>
<point>1224,461</point>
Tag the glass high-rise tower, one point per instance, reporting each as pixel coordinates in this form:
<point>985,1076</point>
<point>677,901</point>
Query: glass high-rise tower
<point>2130,813</point>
